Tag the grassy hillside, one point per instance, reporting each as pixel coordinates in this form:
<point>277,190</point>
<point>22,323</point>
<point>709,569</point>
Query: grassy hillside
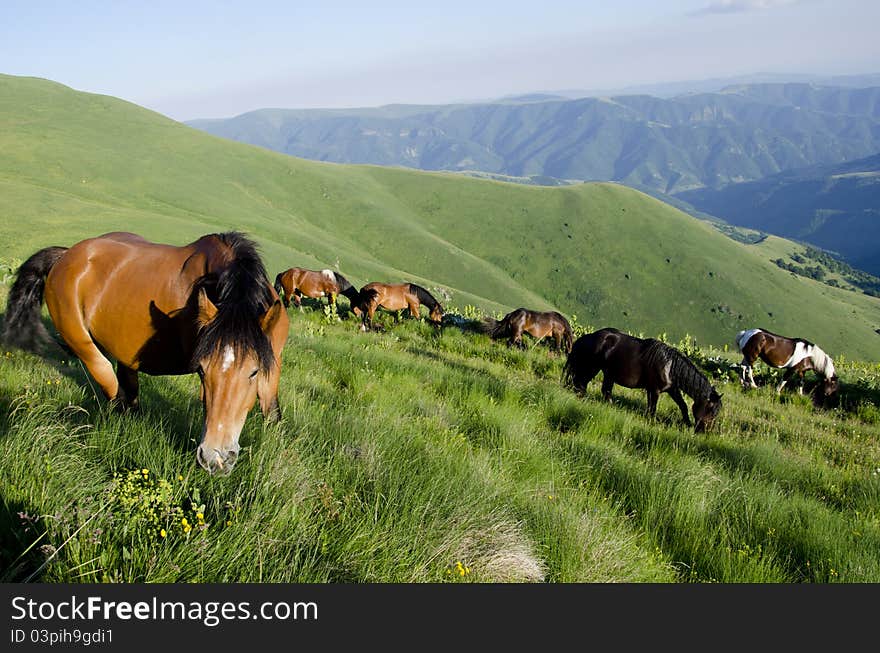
<point>76,165</point>
<point>835,207</point>
<point>412,454</point>
<point>416,456</point>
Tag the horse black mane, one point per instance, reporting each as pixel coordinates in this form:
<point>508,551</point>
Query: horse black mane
<point>686,376</point>
<point>242,294</point>
<point>424,296</point>
<point>345,288</point>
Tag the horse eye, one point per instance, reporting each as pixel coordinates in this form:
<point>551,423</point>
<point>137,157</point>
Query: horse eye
<point>253,374</point>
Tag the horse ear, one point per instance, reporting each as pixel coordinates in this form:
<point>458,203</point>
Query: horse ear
<point>207,309</point>
<point>270,317</point>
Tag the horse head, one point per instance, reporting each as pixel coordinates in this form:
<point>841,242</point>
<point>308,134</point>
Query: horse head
<point>234,367</point>
<point>436,313</point>
<point>706,410</point>
<point>825,394</point>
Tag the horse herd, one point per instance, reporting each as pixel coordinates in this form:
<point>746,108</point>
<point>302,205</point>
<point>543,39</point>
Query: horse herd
<point>208,308</point>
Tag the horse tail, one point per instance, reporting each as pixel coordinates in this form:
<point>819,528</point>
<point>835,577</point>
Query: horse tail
<point>488,326</point>
<point>568,337</point>
<point>279,288</point>
<point>496,329</point>
<point>23,327</point>
<point>363,299</point>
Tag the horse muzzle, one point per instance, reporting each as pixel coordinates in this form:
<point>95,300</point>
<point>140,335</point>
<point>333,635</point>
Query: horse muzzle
<point>217,461</point>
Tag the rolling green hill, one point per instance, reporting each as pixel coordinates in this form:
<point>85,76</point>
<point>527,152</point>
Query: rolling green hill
<point>834,207</point>
<point>76,165</point>
<point>674,144</point>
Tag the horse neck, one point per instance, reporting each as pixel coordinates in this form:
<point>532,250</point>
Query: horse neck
<point>424,296</point>
<point>688,378</point>
<point>822,362</point>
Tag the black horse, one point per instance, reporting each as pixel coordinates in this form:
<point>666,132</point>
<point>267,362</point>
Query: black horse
<point>642,363</point>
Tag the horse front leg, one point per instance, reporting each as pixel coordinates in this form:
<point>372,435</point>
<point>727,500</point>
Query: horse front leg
<point>785,378</point>
<point>127,394</point>
<point>653,397</point>
<point>675,393</point>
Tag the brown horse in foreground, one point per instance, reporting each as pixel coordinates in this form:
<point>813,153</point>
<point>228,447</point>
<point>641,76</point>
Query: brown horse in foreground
<point>796,355</point>
<point>294,283</point>
<point>205,308</point>
<point>396,297</point>
<point>538,324</point>
<point>642,363</point>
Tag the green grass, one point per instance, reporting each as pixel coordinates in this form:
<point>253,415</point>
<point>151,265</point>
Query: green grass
<point>410,455</point>
<point>76,165</point>
<point>405,452</point>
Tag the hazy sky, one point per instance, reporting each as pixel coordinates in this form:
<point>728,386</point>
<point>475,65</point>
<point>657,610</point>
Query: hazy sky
<point>217,59</point>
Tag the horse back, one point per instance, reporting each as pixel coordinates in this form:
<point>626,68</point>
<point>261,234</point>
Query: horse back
<point>120,290</point>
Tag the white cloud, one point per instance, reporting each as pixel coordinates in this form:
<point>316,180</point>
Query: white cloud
<point>741,6</point>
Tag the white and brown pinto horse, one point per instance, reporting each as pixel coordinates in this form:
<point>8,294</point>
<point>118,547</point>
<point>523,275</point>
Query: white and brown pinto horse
<point>796,355</point>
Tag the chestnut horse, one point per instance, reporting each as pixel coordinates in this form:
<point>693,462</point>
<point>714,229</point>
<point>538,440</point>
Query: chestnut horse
<point>796,355</point>
<point>395,297</point>
<point>205,308</point>
<point>295,283</point>
<point>642,363</point>
<point>538,324</point>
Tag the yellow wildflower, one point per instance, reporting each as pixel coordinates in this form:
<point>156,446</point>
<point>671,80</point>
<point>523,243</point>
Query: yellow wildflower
<point>199,516</point>
<point>163,533</point>
<point>184,521</point>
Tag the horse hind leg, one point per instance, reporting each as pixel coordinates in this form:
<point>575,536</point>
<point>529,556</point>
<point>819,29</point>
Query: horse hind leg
<point>607,387</point>
<point>98,366</point>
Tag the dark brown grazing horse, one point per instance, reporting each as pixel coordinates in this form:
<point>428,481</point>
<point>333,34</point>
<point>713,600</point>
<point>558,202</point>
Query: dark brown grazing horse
<point>538,324</point>
<point>205,308</point>
<point>642,363</point>
<point>294,283</point>
<point>395,297</point>
<point>795,354</point>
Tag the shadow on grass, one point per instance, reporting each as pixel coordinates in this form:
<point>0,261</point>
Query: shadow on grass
<point>21,534</point>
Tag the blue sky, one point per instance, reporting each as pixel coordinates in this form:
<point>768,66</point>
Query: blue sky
<point>216,59</point>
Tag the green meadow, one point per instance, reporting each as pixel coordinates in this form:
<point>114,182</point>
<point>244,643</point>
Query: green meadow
<point>418,455</point>
<point>413,454</point>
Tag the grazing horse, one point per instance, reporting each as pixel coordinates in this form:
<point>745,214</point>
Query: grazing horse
<point>642,363</point>
<point>205,308</point>
<point>295,283</point>
<point>796,355</point>
<point>538,324</point>
<point>396,297</point>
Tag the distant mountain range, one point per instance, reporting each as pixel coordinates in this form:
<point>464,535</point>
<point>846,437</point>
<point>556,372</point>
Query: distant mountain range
<point>836,207</point>
<point>715,84</point>
<point>742,133</point>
